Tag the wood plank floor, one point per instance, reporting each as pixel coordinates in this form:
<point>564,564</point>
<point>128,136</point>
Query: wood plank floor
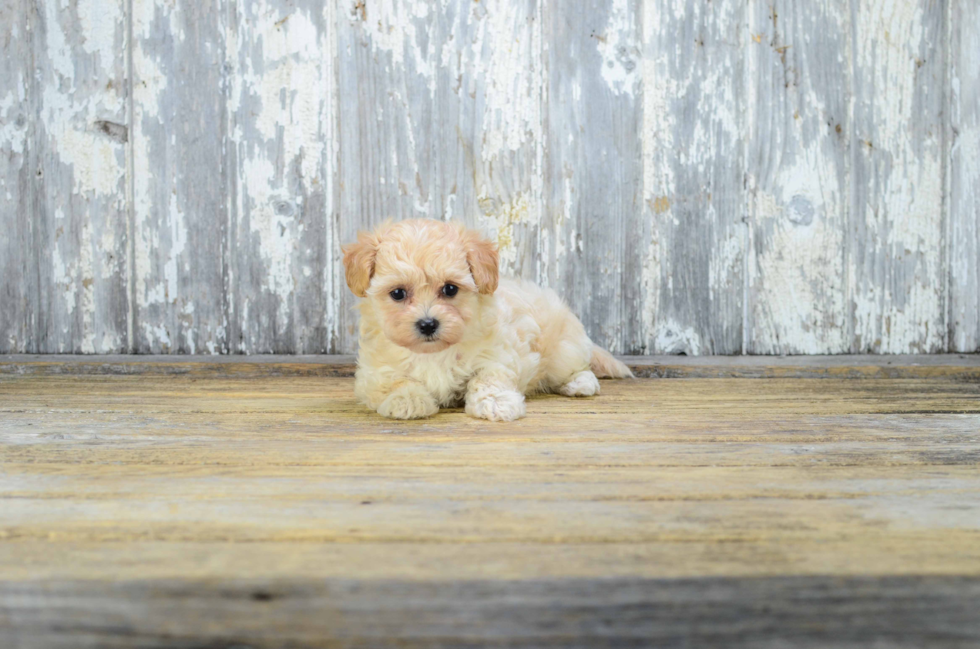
<point>268,509</point>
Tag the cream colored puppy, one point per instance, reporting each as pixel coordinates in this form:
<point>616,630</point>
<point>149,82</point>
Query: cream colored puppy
<point>438,330</point>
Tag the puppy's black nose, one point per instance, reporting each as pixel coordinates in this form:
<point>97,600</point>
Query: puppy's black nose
<point>427,326</point>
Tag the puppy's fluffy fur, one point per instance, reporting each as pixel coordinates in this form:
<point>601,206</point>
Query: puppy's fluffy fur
<point>497,339</point>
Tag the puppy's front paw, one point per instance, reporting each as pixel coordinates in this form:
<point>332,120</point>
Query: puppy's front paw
<point>503,405</point>
<point>408,403</point>
<point>583,384</point>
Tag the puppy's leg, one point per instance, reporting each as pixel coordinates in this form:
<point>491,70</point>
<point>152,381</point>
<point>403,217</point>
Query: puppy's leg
<point>407,400</point>
<point>492,394</point>
<point>568,368</point>
<point>581,384</point>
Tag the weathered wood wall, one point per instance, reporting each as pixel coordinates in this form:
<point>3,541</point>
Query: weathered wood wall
<point>754,176</point>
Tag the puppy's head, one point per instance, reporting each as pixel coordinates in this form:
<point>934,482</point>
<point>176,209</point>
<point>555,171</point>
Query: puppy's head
<point>423,279</point>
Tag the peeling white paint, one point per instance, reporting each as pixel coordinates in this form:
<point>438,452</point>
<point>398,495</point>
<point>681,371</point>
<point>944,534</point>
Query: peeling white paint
<point>963,170</point>
<point>166,225</point>
<point>86,295</point>
<point>97,162</point>
<point>799,311</point>
<point>657,140</point>
<point>112,264</point>
<point>178,243</point>
<point>282,104</point>
<point>144,14</point>
<point>79,83</point>
<point>899,307</point>
<point>153,291</point>
<point>392,28</point>
<point>149,88</point>
<point>618,47</point>
<point>100,32</point>
<point>660,88</point>
<point>12,134</point>
<point>58,51</point>
<point>726,261</point>
<point>276,233</point>
<point>68,116</point>
<point>64,279</point>
<point>328,119</point>
<point>283,101</point>
<point>512,112</point>
<point>795,270</point>
<point>289,87</point>
<point>671,337</point>
<point>190,333</point>
<point>151,83</point>
<point>157,334</point>
<point>798,296</point>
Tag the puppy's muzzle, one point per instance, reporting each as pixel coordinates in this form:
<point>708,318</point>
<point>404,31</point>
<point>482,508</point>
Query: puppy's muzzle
<point>427,326</point>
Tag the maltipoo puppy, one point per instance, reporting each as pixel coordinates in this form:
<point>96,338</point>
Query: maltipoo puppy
<point>438,328</point>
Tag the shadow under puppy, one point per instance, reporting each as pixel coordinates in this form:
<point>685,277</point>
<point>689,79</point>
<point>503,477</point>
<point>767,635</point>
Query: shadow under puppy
<point>439,328</point>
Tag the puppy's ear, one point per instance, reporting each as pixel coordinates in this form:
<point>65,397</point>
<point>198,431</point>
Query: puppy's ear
<point>482,257</point>
<point>359,262</point>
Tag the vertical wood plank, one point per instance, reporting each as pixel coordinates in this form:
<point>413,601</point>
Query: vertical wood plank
<point>964,176</point>
<point>255,153</point>
<point>282,104</point>
<point>80,207</point>
<point>693,183</point>
<point>798,58</point>
<point>179,178</point>
<point>440,116</point>
<point>18,263</point>
<point>593,173</point>
<point>896,258</point>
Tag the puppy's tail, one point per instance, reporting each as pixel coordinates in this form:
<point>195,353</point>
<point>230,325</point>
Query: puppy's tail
<point>605,366</point>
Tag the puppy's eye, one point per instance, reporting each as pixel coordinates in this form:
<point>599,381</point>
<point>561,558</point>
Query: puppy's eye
<point>398,294</point>
<point>450,290</point>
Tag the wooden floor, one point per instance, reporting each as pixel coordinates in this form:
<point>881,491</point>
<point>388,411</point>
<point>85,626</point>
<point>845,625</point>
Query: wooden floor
<point>262,507</point>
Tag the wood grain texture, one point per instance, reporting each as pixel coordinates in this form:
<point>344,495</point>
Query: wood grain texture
<point>283,143</point>
<point>727,177</point>
<point>811,612</point>
<point>187,511</point>
<point>593,166</point>
<point>694,165</point>
<point>18,258</point>
<point>897,273</point>
<point>797,127</point>
<point>963,140</point>
<point>441,118</point>
<point>920,366</point>
<point>80,207</point>
<point>179,178</point>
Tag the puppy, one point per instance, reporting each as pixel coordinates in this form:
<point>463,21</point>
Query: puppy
<point>439,328</point>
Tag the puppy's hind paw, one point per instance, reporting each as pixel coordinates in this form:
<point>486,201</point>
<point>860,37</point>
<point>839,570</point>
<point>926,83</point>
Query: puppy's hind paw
<point>408,404</point>
<point>583,384</point>
<point>505,405</point>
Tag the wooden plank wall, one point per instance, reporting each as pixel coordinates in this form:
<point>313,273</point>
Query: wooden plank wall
<point>739,176</point>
